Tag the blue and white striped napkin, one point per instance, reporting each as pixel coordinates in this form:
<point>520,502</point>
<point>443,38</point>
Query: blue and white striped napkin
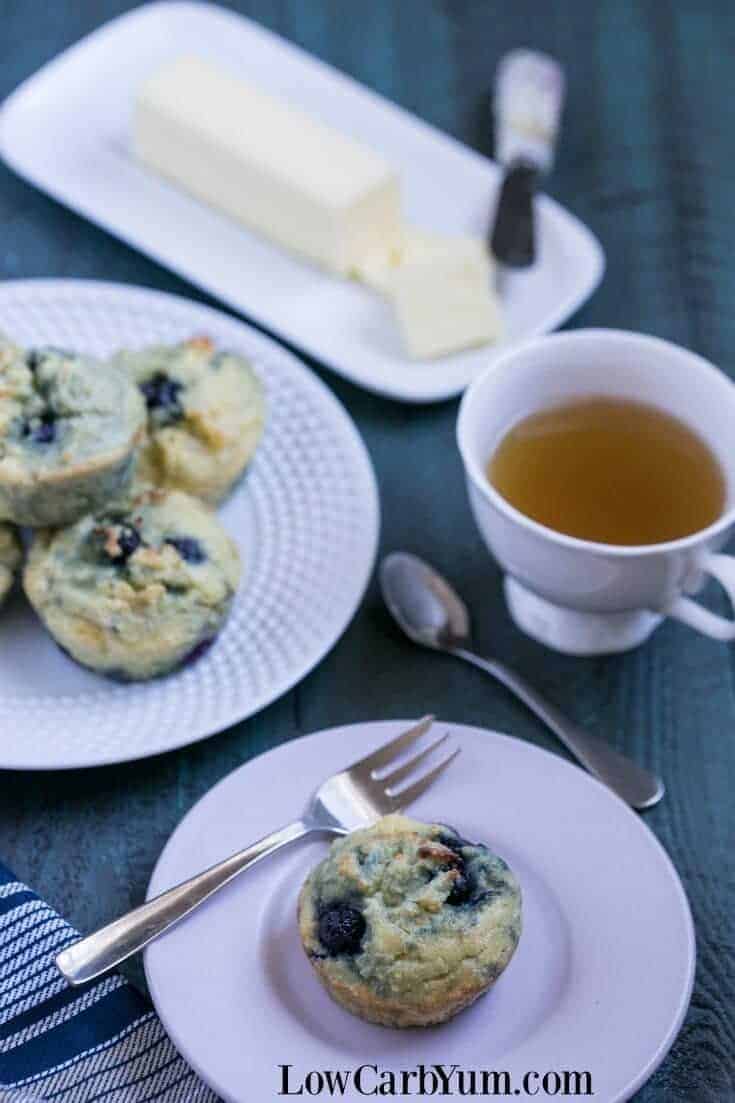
<point>101,1041</point>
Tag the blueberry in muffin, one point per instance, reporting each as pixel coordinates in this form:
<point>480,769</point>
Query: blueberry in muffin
<point>10,557</point>
<point>407,923</point>
<point>137,588</point>
<point>206,413</point>
<point>69,427</point>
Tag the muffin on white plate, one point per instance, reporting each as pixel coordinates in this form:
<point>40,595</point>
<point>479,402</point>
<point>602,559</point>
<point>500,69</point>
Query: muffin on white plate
<point>206,414</point>
<point>139,587</point>
<point>407,923</point>
<point>10,558</point>
<point>69,427</point>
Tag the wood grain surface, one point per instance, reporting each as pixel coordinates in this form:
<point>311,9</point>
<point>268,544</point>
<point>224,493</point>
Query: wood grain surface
<point>648,161</point>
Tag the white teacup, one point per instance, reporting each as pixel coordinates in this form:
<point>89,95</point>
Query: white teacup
<point>574,595</point>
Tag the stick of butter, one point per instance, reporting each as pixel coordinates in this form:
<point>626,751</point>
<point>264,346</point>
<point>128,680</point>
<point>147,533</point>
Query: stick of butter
<point>442,293</point>
<point>267,164</point>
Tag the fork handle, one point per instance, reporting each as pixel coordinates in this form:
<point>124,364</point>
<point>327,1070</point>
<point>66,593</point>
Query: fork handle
<point>125,936</point>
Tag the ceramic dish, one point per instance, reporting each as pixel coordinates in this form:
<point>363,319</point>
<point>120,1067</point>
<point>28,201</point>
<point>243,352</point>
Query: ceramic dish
<point>447,187</point>
<point>600,981</point>
<point>305,518</point>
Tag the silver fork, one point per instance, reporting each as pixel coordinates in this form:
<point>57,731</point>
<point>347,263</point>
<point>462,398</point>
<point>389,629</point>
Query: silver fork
<point>355,797</point>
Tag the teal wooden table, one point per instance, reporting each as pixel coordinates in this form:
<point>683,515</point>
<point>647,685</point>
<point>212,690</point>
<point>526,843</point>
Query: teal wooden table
<point>648,161</point>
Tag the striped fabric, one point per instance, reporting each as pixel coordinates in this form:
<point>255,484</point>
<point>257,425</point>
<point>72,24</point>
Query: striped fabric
<point>101,1041</point>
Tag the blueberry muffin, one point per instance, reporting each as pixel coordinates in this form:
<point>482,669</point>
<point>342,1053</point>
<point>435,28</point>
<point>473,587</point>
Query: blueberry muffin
<point>407,923</point>
<point>137,588</point>
<point>10,557</point>
<point>206,413</point>
<point>69,427</point>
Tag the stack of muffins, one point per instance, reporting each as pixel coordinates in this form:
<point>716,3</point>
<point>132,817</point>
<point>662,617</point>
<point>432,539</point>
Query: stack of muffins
<point>114,466</point>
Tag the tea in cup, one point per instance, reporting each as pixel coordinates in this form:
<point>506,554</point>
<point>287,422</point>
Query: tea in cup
<point>600,467</point>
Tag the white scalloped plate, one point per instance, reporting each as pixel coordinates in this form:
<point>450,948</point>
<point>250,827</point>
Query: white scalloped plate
<point>306,519</point>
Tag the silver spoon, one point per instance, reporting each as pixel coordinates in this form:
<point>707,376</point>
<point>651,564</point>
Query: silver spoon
<point>433,615</point>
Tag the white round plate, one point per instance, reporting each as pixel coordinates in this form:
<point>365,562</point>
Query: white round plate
<point>306,519</point>
<point>600,982</point>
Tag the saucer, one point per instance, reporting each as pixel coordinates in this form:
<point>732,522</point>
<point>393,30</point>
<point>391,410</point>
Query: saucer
<point>600,982</point>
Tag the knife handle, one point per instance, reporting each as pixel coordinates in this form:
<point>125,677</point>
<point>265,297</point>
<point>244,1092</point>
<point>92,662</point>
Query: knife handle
<point>513,237</point>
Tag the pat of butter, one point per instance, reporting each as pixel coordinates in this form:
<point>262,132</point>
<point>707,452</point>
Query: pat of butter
<point>443,297</point>
<point>267,164</point>
<point>378,268</point>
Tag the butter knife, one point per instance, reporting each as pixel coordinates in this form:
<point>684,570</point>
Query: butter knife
<point>527,106</point>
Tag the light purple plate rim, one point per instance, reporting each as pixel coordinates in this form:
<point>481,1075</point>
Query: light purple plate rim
<point>540,762</point>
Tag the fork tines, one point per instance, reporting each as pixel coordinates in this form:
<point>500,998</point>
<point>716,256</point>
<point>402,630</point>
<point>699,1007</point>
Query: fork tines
<point>375,767</point>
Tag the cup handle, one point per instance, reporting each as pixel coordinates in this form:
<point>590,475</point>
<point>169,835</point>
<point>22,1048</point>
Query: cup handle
<point>721,567</point>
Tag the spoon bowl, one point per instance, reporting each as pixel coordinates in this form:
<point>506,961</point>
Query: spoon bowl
<point>423,603</point>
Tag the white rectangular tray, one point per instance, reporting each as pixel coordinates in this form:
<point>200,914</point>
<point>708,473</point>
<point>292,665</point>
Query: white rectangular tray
<point>66,129</point>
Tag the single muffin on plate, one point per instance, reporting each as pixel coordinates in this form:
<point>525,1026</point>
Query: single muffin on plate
<point>137,588</point>
<point>206,412</point>
<point>407,923</point>
<point>69,427</point>
<point>10,557</point>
